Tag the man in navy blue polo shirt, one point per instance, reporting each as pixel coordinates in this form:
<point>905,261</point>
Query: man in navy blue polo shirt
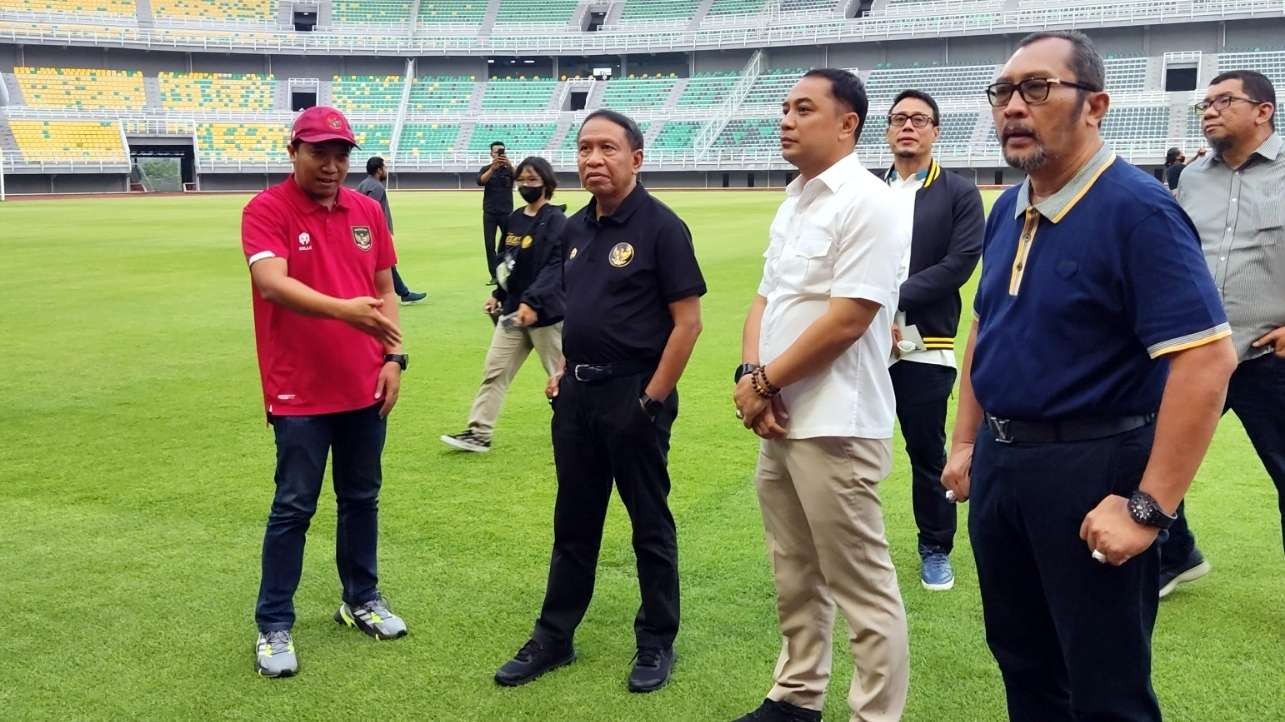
<point>1095,373</point>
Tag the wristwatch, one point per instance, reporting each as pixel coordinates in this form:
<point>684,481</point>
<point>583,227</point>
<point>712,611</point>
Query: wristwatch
<point>743,369</point>
<point>650,406</point>
<point>396,358</point>
<point>1146,511</point>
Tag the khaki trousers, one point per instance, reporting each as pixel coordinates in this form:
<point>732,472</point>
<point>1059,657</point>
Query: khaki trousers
<point>509,350</point>
<point>825,533</point>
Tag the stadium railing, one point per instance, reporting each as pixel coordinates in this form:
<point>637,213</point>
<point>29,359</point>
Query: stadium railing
<point>431,40</point>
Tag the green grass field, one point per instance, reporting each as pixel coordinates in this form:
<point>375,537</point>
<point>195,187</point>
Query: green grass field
<point>136,475</point>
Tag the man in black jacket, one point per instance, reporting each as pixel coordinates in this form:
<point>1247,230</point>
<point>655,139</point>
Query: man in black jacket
<point>496,179</point>
<point>949,225</point>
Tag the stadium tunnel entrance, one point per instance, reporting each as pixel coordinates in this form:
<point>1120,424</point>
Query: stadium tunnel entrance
<point>166,165</point>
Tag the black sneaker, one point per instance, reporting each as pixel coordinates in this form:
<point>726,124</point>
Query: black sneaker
<point>773,711</point>
<point>1188,570</point>
<point>533,660</point>
<point>467,441</point>
<point>413,297</point>
<point>652,666</point>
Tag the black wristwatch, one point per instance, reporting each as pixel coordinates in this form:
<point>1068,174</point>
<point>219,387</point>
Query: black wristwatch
<point>650,406</point>
<point>742,370</point>
<point>396,358</point>
<point>1146,511</point>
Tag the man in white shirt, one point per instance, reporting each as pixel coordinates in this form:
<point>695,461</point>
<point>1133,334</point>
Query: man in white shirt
<point>814,385</point>
<point>945,245</point>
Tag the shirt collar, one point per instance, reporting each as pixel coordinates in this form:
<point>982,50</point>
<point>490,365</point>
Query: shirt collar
<point>833,178</point>
<point>1056,206</point>
<point>922,175</point>
<point>305,203</point>
<point>1269,150</point>
<point>632,202</point>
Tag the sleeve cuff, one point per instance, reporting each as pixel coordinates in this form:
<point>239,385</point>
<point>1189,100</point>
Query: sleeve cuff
<point>882,296</point>
<point>686,293</point>
<point>259,257</point>
<point>1191,340</point>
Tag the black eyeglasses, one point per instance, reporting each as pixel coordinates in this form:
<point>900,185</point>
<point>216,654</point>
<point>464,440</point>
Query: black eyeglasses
<point>1033,90</point>
<point>918,120</point>
<point>1222,102</point>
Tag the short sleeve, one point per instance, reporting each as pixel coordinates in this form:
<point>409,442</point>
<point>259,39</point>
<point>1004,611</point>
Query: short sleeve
<point>387,255</point>
<point>1173,302</point>
<point>676,265</point>
<point>869,252</point>
<point>263,233</point>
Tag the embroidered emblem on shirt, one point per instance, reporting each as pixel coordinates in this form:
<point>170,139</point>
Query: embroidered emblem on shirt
<point>621,254</point>
<point>527,241</point>
<point>361,236</point>
<point>305,241</point>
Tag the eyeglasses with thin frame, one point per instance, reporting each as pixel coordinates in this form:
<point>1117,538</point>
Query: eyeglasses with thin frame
<point>918,120</point>
<point>1221,103</point>
<point>1033,90</point>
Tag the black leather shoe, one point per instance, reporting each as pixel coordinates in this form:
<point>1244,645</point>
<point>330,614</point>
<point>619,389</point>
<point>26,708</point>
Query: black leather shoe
<point>773,711</point>
<point>533,660</point>
<point>652,666</point>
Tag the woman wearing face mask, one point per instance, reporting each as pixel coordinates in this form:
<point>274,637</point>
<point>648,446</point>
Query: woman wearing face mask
<point>528,299</point>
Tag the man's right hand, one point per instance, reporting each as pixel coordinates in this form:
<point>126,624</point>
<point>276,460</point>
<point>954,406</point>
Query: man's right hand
<point>958,474</point>
<point>363,314</point>
<point>492,306</point>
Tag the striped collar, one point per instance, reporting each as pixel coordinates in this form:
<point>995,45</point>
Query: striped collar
<point>928,176</point>
<point>1056,206</point>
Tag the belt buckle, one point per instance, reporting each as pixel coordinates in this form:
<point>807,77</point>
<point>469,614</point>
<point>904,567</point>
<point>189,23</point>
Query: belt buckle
<point>1000,428</point>
<point>575,373</point>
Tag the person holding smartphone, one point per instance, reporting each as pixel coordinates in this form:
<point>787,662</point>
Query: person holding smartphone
<point>528,300</point>
<point>496,179</point>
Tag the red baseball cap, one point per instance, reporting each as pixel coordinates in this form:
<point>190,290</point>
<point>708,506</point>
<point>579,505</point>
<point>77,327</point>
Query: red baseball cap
<point>321,123</point>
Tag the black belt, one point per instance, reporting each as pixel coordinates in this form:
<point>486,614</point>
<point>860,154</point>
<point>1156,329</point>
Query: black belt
<point>1008,431</point>
<point>595,373</point>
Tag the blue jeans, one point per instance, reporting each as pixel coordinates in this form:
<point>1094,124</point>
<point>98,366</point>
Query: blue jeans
<point>355,439</point>
<point>1257,395</point>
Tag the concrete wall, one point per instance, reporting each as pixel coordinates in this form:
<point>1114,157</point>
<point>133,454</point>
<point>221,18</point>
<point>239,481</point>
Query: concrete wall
<point>66,183</point>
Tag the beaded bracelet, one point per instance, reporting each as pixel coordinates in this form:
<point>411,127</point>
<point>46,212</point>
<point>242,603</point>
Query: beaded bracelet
<point>762,386</point>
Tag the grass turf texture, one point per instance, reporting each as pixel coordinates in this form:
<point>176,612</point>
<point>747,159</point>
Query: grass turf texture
<point>137,475</point>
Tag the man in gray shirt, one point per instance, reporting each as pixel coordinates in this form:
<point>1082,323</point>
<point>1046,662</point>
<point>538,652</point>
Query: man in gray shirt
<point>373,186</point>
<point>1236,198</point>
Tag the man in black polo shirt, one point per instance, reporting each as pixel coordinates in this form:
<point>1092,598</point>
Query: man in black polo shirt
<point>633,290</point>
<point>496,179</point>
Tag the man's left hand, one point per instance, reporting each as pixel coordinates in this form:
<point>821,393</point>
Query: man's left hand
<point>1275,339</point>
<point>389,386</point>
<point>749,404</point>
<point>1111,530</point>
<point>524,316</point>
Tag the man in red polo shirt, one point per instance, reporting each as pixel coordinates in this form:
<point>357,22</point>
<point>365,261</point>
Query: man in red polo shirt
<point>330,358</point>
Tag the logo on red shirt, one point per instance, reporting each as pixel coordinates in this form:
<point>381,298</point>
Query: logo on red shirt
<point>361,236</point>
<point>305,241</point>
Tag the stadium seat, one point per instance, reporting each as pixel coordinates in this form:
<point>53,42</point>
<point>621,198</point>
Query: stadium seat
<point>217,91</point>
<point>1269,63</point>
<point>771,87</point>
<point>69,140</point>
<point>518,94</point>
<point>426,138</point>
<point>441,94</point>
<point>259,10</point>
<point>807,6</point>
<point>81,88</point>
<point>707,88</point>
<point>251,142</point>
<point>374,139</point>
<point>1145,123</point>
<point>658,10</point>
<point>536,12</point>
<point>736,7</point>
<point>946,81</point>
<point>445,12</point>
<point>677,135</point>
<point>1126,74</point>
<point>366,93</point>
<point>521,138</point>
<point>370,12</point>
<point>750,134</point>
<point>71,7</point>
<point>635,93</point>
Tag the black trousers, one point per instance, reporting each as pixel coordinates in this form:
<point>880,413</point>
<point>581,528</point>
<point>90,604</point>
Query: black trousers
<point>399,286</point>
<point>1257,395</point>
<point>923,390</point>
<point>492,222</point>
<point>1072,637</point>
<point>601,434</point>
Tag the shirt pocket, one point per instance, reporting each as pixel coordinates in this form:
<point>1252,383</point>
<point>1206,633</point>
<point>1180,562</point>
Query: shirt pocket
<point>803,263</point>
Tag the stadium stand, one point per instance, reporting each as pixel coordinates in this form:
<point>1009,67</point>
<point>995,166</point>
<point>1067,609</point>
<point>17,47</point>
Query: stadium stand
<point>677,135</point>
<point>64,140</point>
<point>807,6</point>
<point>424,138</point>
<point>521,95</point>
<point>373,139</point>
<point>635,93</point>
<point>1136,123</point>
<point>253,142</point>
<point>440,94</point>
<point>1270,63</point>
<point>1126,74</point>
<point>772,86</point>
<point>223,10</point>
<point>736,7</point>
<point>707,88</point>
<point>366,93</point>
<point>216,91</point>
<point>659,10</point>
<point>536,12</point>
<point>71,7</point>
<point>371,12</point>
<point>448,12</point>
<point>521,138</point>
<point>81,88</point>
<point>941,82</point>
<point>751,134</point>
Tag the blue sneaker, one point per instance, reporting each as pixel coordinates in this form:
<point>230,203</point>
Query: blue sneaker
<point>935,571</point>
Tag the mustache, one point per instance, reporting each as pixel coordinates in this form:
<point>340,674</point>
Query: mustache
<point>1015,130</point>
